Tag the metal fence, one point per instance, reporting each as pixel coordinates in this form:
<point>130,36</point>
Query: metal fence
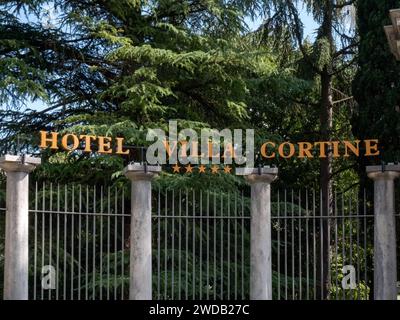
<point>299,230</point>
<point>202,241</point>
<point>201,244</point>
<point>81,232</point>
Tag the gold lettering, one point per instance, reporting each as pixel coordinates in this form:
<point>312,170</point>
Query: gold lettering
<point>355,149</point>
<point>304,150</point>
<point>264,150</point>
<point>282,151</point>
<point>322,148</point>
<point>88,139</point>
<point>44,140</point>
<point>104,145</point>
<point>335,145</point>
<point>75,142</point>
<point>371,148</point>
<point>120,143</point>
<point>168,148</point>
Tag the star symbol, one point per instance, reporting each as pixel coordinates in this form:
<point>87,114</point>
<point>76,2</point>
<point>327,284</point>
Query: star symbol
<point>214,169</point>
<point>189,168</point>
<point>227,169</point>
<point>202,169</point>
<point>176,168</point>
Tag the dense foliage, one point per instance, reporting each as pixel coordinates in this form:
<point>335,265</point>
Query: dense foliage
<point>122,67</point>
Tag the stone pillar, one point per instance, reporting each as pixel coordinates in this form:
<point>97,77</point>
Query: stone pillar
<point>260,231</point>
<point>140,287</point>
<point>16,256</point>
<point>385,270</point>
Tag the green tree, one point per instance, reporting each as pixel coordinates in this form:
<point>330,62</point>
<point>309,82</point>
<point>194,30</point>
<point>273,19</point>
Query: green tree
<point>328,58</point>
<point>376,84</point>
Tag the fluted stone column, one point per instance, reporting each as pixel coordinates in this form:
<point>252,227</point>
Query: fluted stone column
<point>140,287</point>
<point>260,180</point>
<point>385,269</point>
<point>16,256</point>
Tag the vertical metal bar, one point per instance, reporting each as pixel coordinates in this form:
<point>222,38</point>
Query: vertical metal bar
<point>43,233</point>
<point>108,240</point>
<point>72,242</point>
<point>208,245</point>
<point>123,244</point>
<point>343,240</point>
<point>336,248</point>
<point>314,247</point>
<point>65,241</point>
<point>173,246</point>
<point>358,246</point>
<point>201,247</point>
<point>242,247</point>
<point>229,245</point>
<point>286,249</point>
<point>321,228</point>
<point>79,242</point>
<point>293,255</point>
<point>180,246</point>
<point>300,260</point>
<point>235,247</point>
<point>351,239</point>
<point>94,244</point>
<point>215,246</point>
<point>87,246</point>
<point>116,241</point>
<point>101,241</point>
<point>222,246</point>
<point>187,248</point>
<point>35,243</point>
<point>50,231</point>
<point>58,242</point>
<point>166,246</point>
<point>307,248</point>
<point>365,237</point>
<point>159,245</point>
<point>194,245</point>
<point>279,245</point>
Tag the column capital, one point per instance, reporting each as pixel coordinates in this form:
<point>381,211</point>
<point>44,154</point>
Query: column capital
<point>390,172</point>
<point>258,175</point>
<point>137,172</point>
<point>12,163</point>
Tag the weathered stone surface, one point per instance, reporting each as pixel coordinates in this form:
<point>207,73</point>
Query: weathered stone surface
<point>17,225</point>
<point>260,233</point>
<point>385,269</point>
<point>140,255</point>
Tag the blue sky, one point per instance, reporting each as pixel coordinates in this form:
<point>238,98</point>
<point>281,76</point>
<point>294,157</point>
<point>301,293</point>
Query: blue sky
<point>309,24</point>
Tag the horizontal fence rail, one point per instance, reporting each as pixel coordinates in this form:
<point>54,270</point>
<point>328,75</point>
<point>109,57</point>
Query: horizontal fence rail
<point>304,266</point>
<point>81,232</point>
<point>201,244</point>
<point>202,241</point>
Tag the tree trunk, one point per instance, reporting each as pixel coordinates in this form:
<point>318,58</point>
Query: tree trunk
<point>326,116</point>
<point>326,122</point>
